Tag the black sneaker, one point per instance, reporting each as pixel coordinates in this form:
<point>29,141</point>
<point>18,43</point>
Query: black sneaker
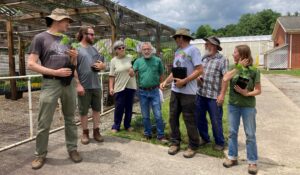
<point>147,138</point>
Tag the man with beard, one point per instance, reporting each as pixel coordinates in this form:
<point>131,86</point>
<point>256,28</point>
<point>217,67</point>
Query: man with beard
<point>211,93</point>
<point>89,63</point>
<point>149,69</point>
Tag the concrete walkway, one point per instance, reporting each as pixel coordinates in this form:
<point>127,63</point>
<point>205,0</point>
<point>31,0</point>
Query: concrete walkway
<point>278,133</point>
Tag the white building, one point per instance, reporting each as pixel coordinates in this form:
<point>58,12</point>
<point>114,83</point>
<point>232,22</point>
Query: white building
<point>258,44</point>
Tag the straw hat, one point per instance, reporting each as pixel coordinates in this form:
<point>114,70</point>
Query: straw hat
<point>59,14</point>
<point>183,32</point>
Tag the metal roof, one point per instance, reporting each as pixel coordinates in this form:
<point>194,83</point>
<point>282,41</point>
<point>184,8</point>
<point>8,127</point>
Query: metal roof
<point>28,18</point>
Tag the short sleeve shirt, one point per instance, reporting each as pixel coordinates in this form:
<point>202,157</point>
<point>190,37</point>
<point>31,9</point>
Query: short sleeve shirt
<point>87,56</point>
<point>188,57</point>
<point>214,68</point>
<point>119,69</point>
<point>149,71</point>
<point>236,98</point>
<point>51,52</point>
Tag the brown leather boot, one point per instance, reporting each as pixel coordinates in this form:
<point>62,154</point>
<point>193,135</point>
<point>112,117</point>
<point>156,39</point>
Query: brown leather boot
<point>75,156</point>
<point>85,138</point>
<point>38,162</point>
<point>97,135</point>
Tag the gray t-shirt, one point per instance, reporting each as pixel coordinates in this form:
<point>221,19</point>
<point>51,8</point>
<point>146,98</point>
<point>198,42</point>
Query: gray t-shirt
<point>87,56</point>
<point>50,51</point>
<point>188,57</point>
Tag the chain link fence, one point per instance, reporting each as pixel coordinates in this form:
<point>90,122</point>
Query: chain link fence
<point>277,58</point>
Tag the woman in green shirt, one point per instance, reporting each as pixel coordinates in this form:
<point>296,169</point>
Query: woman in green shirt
<point>122,84</point>
<point>244,86</point>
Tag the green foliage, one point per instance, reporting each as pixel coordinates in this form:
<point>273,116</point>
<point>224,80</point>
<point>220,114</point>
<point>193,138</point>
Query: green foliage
<point>260,23</point>
<point>204,31</point>
<point>104,49</point>
<point>67,41</point>
<point>131,46</point>
<point>167,52</point>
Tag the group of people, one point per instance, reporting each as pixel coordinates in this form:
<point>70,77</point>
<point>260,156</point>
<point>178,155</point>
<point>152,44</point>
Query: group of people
<point>198,86</point>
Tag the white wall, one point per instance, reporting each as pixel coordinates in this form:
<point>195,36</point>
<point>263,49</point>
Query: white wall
<point>257,44</point>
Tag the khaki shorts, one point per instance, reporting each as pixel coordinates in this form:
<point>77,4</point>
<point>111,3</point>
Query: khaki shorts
<point>91,98</point>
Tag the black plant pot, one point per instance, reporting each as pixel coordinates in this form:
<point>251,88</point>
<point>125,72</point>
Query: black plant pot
<point>19,95</point>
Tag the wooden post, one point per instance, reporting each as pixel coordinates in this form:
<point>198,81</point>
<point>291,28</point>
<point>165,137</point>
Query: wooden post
<point>113,34</point>
<point>158,47</point>
<point>21,48</point>
<point>12,68</point>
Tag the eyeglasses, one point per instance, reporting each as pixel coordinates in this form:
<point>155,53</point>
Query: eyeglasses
<point>121,48</point>
<point>92,34</point>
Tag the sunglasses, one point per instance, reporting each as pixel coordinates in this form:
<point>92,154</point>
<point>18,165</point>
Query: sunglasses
<point>121,48</point>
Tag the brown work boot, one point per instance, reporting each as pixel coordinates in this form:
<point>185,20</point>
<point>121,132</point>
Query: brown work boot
<point>75,157</point>
<point>173,150</point>
<point>97,135</point>
<point>252,169</point>
<point>85,138</point>
<point>230,163</point>
<point>38,163</point>
<point>189,153</point>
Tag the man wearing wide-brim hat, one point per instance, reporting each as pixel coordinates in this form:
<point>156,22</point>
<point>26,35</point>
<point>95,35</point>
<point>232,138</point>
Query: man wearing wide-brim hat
<point>187,66</point>
<point>214,41</point>
<point>211,93</point>
<point>58,15</point>
<point>184,33</point>
<point>57,67</point>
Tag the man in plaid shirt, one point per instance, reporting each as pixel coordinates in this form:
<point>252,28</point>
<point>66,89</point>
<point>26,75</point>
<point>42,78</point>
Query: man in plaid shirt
<point>211,93</point>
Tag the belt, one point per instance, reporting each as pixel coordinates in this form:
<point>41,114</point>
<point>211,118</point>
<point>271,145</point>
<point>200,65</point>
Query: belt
<point>51,77</point>
<point>149,88</point>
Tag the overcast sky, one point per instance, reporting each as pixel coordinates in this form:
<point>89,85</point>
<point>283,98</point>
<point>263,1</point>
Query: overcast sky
<point>217,13</point>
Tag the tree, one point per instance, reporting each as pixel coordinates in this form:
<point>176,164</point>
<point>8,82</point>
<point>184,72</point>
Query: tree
<point>260,23</point>
<point>204,31</point>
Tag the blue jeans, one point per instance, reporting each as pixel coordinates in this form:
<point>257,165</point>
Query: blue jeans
<point>123,104</point>
<point>248,116</point>
<point>204,105</point>
<point>151,99</point>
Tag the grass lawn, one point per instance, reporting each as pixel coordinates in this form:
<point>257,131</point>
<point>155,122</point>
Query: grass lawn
<point>287,72</point>
<point>137,134</point>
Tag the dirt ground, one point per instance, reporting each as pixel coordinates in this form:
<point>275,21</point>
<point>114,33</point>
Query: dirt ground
<point>14,118</point>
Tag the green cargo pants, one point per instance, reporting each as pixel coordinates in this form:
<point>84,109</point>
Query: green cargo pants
<point>52,90</point>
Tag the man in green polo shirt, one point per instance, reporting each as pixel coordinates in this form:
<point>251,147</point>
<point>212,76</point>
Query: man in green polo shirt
<point>149,69</point>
